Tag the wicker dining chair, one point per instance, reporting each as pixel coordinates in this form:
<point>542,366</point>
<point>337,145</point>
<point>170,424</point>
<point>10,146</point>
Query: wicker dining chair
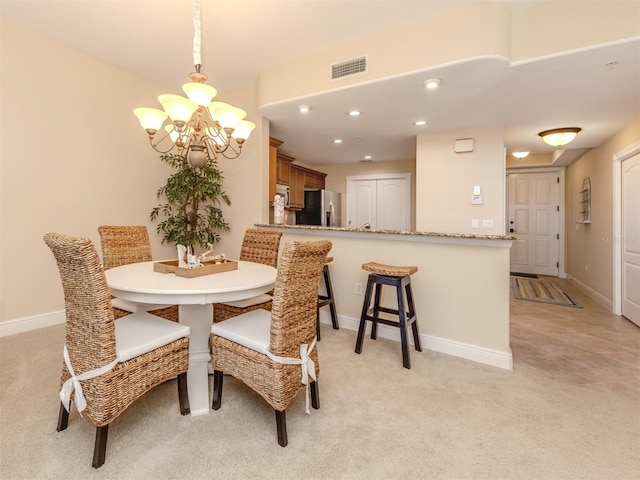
<point>260,246</point>
<point>109,364</point>
<point>274,353</point>
<point>124,244</point>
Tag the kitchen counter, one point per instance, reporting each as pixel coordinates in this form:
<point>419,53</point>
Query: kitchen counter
<point>396,234</point>
<point>461,290</point>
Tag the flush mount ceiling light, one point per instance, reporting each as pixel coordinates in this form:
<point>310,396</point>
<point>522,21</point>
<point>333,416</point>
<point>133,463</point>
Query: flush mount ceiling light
<point>354,113</point>
<point>520,154</point>
<point>337,140</point>
<point>558,137</point>
<point>304,108</point>
<point>198,129</point>
<point>432,83</point>
<point>420,123</point>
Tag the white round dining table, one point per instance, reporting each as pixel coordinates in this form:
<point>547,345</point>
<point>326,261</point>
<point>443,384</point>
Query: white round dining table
<point>138,282</point>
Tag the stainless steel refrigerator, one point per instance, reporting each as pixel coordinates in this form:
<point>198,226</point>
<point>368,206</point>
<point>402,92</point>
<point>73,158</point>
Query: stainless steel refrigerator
<point>321,207</point>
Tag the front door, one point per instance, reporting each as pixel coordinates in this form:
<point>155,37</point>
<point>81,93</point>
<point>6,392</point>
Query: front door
<point>631,238</point>
<point>534,219</point>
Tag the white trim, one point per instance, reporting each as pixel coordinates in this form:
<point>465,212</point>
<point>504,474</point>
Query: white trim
<point>25,324</point>
<point>618,158</point>
<point>598,297</point>
<point>467,351</point>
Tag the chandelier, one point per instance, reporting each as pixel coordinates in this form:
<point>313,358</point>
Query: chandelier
<point>197,128</point>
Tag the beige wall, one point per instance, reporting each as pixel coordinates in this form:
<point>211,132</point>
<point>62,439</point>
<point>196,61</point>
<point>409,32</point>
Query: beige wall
<point>445,181</point>
<point>87,162</point>
<point>589,246</point>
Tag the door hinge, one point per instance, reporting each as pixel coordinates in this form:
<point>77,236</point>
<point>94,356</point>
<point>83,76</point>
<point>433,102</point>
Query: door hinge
<point>557,208</point>
<point>557,179</point>
<point>557,236</point>
<point>557,264</point>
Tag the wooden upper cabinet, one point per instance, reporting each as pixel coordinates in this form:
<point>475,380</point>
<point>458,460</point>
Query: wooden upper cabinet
<point>284,169</point>
<point>314,179</point>
<point>296,200</point>
<point>283,172</point>
<point>274,143</point>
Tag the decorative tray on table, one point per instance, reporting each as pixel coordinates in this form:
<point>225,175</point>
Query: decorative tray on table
<point>207,268</point>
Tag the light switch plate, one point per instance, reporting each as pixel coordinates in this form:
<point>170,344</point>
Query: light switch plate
<point>476,200</point>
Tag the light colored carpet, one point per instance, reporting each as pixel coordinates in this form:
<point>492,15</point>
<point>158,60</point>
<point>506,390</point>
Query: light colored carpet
<point>541,290</point>
<point>446,418</point>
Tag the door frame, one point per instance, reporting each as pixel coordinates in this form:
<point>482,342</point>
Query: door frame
<point>561,202</point>
<point>618,158</point>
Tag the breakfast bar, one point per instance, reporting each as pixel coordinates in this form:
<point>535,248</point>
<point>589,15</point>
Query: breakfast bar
<point>461,289</point>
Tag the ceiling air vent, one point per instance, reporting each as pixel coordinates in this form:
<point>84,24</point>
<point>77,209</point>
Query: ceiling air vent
<point>349,67</point>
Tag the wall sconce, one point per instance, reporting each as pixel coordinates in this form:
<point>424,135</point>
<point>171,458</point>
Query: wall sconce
<point>558,137</point>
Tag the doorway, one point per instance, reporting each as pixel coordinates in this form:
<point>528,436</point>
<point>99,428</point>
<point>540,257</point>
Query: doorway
<point>535,215</point>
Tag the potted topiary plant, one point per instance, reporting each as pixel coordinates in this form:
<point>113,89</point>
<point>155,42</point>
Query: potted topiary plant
<point>192,216</point>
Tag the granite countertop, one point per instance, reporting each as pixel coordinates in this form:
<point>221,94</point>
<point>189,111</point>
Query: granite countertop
<point>392,232</point>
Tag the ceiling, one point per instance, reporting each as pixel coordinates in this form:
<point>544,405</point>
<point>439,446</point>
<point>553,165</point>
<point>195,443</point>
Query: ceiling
<point>241,38</point>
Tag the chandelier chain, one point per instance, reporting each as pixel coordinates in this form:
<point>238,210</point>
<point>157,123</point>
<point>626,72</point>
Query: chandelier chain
<point>197,34</point>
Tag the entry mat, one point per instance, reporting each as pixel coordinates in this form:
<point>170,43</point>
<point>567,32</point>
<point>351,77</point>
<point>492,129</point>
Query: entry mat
<point>541,290</point>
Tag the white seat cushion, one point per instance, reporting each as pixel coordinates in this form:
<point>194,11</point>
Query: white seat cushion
<point>250,302</point>
<point>143,332</point>
<point>250,330</point>
<point>134,307</point>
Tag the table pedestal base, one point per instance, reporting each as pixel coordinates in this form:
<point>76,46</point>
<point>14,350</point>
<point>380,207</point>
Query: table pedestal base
<point>199,318</point>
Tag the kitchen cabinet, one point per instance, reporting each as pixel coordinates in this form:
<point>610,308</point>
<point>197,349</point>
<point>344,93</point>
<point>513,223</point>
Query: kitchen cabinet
<point>296,201</point>
<point>274,143</point>
<point>284,169</point>
<point>314,179</point>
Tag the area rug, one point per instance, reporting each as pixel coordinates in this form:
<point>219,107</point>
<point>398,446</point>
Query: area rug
<point>539,290</point>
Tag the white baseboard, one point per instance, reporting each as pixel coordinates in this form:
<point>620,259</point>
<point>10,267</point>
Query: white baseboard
<point>35,322</point>
<point>599,298</point>
<point>474,353</point>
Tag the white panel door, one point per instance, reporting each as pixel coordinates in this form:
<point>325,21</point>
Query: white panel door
<point>393,198</point>
<point>381,201</point>
<point>362,207</point>
<point>534,220</point>
<point>631,238</point>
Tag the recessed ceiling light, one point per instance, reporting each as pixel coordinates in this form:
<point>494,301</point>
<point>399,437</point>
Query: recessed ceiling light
<point>304,108</point>
<point>337,140</point>
<point>520,154</point>
<point>367,157</point>
<point>354,113</point>
<point>419,123</point>
<point>432,83</point>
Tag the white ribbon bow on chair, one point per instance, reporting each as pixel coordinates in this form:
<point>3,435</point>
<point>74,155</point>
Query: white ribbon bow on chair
<point>73,383</point>
<point>308,366</point>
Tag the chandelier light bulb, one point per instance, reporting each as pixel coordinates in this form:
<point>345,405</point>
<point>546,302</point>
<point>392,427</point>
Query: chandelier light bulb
<point>201,93</point>
<point>151,119</point>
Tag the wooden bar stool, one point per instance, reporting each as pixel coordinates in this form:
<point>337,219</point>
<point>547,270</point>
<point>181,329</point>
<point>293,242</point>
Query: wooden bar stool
<point>400,278</point>
<point>327,299</point>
